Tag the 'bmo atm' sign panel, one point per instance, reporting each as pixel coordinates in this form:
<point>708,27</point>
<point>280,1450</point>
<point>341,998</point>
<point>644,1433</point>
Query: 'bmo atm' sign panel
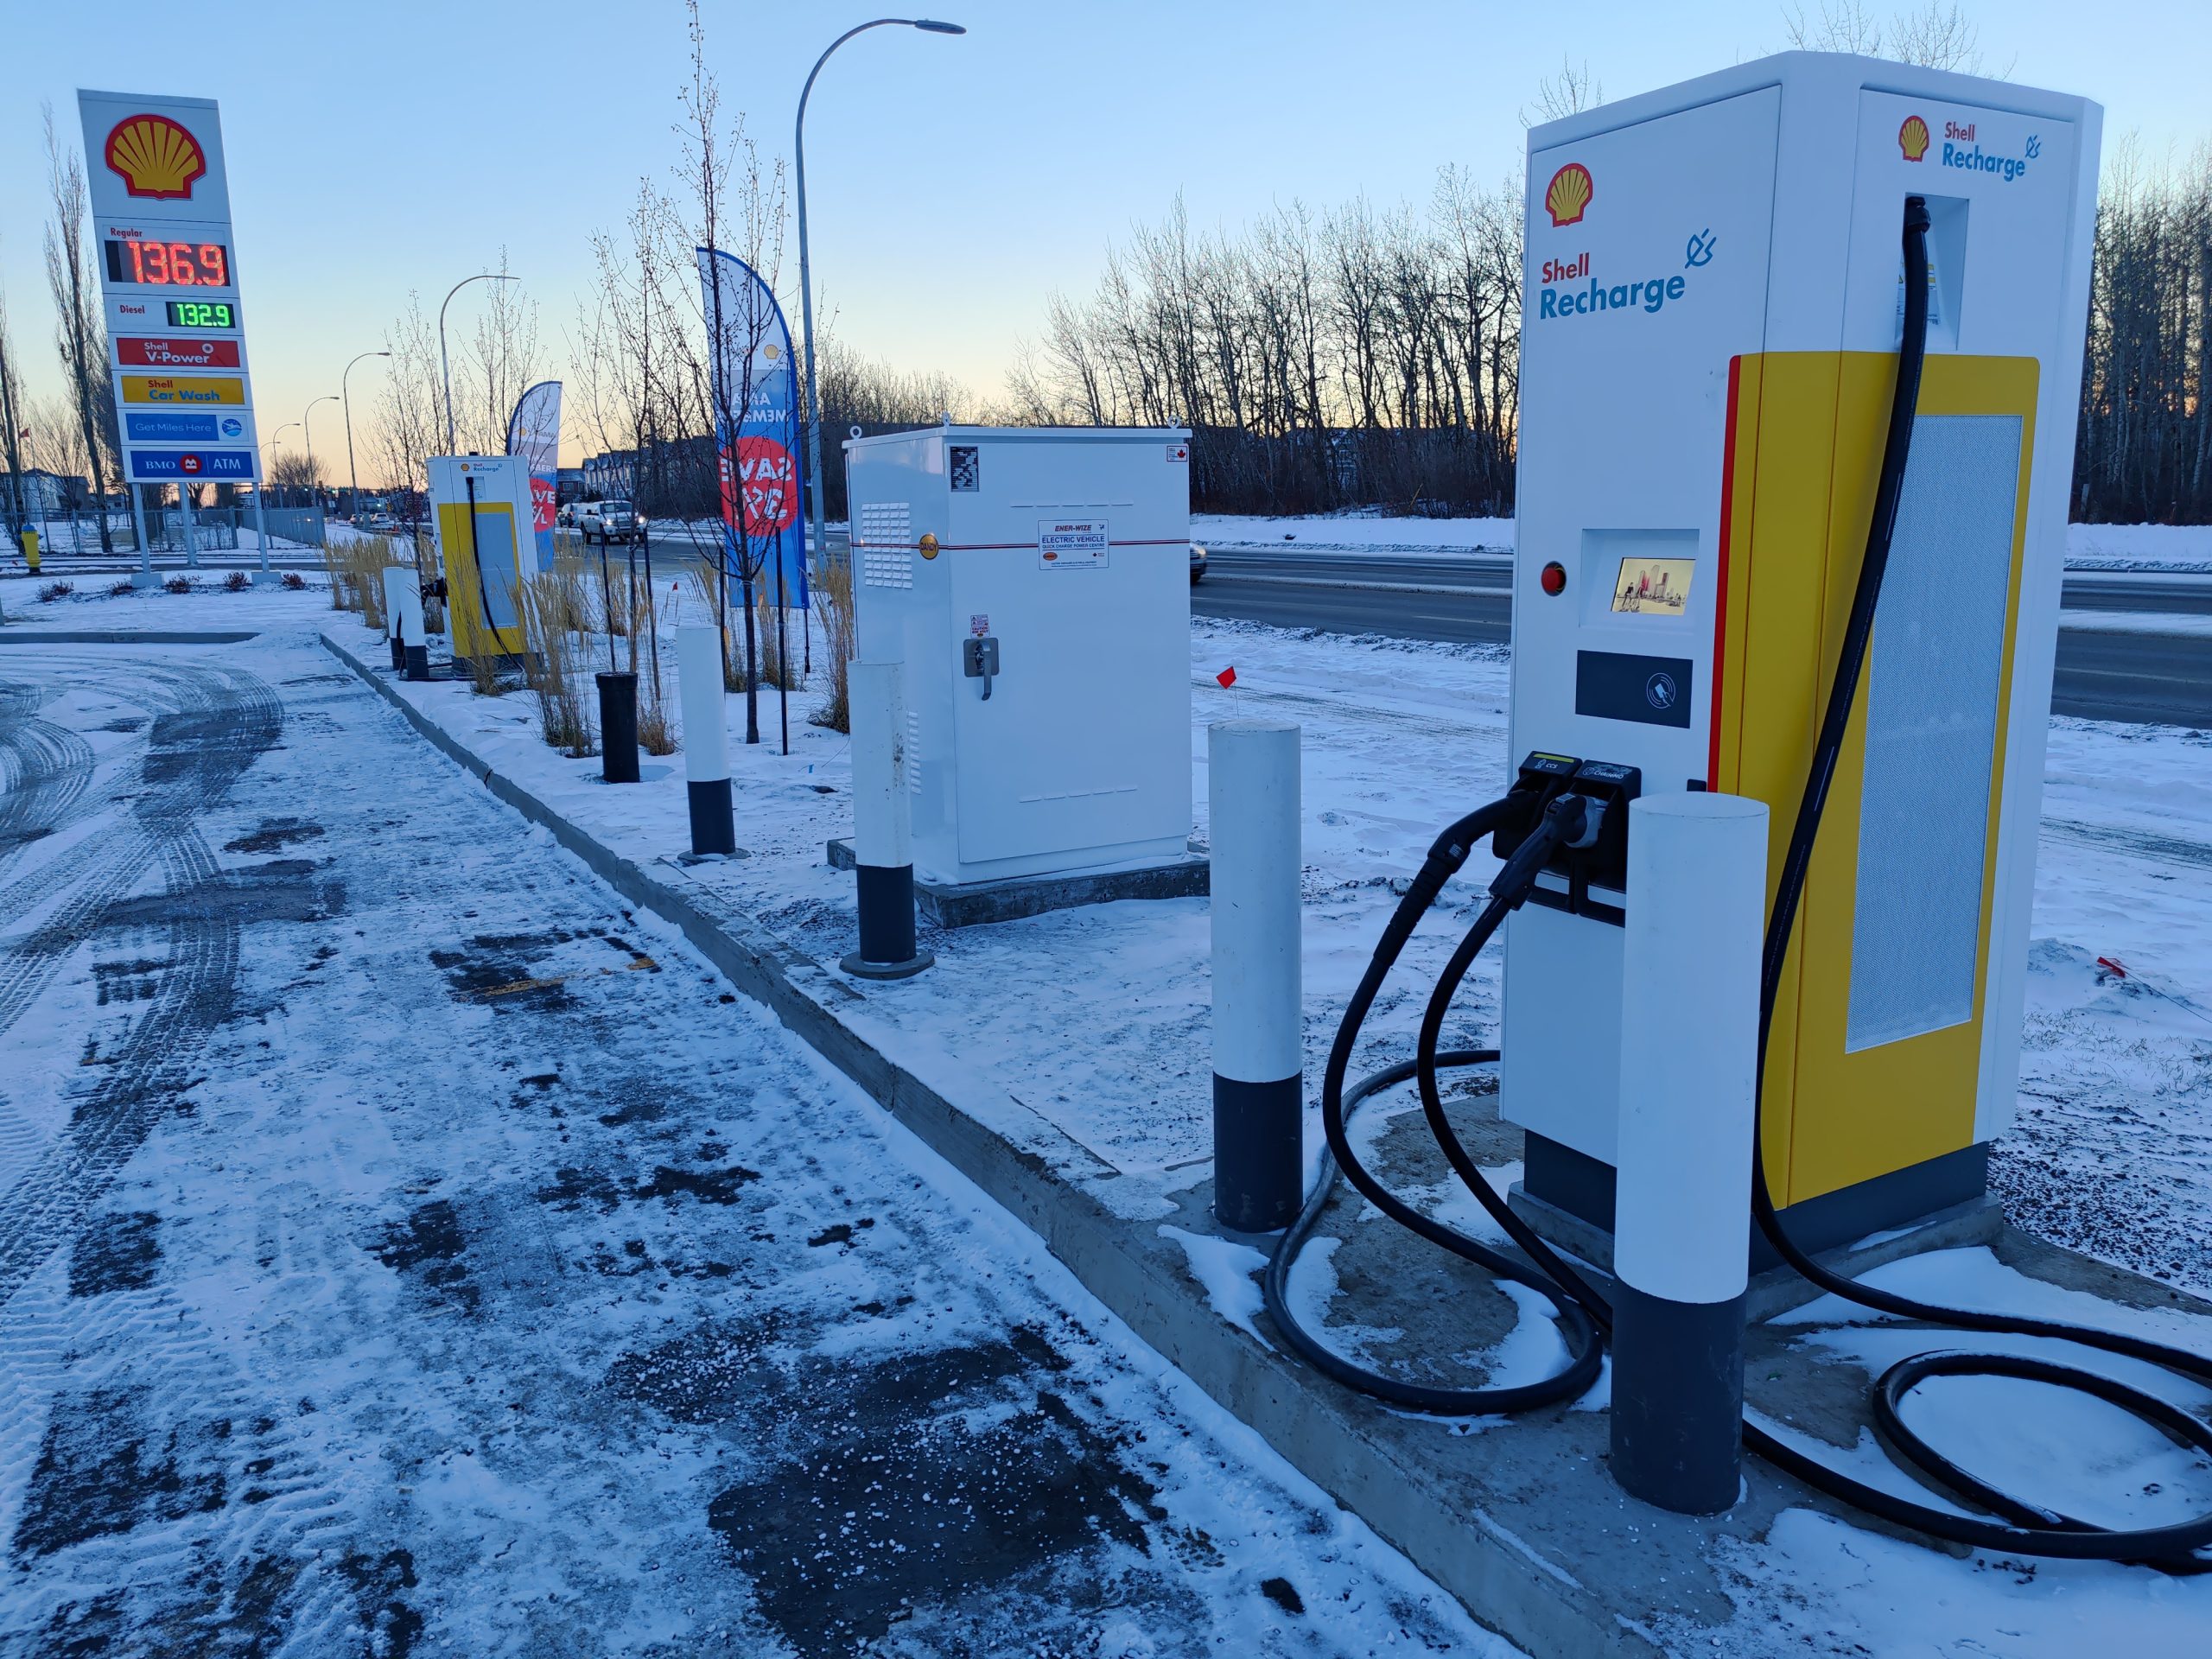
<point>161,201</point>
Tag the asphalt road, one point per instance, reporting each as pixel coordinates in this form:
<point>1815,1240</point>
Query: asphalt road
<point>2101,675</point>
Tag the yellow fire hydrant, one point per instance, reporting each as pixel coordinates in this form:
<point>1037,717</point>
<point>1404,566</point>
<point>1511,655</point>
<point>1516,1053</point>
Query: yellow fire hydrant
<point>30,549</point>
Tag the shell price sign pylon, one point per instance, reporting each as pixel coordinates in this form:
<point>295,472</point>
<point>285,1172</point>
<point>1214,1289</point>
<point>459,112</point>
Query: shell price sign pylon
<point>161,201</point>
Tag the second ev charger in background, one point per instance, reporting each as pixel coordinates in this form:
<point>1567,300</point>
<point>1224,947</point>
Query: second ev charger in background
<point>486,525</point>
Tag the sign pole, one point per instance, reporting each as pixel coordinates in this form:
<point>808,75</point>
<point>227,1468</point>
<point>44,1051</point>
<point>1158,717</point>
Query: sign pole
<point>144,575</point>
<point>265,577</point>
<point>191,531</point>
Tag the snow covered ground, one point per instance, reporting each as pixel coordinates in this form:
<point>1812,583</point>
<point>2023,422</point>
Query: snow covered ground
<point>405,1249</point>
<point>2173,549</point>
<point>2114,1154</point>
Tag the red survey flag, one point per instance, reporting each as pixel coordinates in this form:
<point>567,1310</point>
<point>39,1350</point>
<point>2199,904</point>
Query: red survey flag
<point>1227,677</point>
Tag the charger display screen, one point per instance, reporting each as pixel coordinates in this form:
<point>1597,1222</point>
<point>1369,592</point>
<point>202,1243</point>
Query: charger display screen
<point>1654,586</point>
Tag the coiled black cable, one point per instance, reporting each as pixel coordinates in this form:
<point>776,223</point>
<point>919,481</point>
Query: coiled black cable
<point>1584,1315</point>
<point>1577,1328</point>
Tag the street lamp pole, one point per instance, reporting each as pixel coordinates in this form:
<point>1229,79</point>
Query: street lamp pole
<point>307,436</point>
<point>805,270</point>
<point>352,474</point>
<point>445,363</point>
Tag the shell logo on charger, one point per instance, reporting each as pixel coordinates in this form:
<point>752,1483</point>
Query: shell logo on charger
<point>1913,138</point>
<point>1568,195</point>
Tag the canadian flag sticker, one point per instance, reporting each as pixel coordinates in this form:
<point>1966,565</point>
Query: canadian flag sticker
<point>1179,452</point>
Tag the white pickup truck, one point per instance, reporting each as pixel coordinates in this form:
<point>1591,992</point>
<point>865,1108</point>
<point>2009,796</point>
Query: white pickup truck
<point>610,521</point>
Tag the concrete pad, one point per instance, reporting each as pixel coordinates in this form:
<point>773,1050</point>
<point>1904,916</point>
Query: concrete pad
<point>970,903</point>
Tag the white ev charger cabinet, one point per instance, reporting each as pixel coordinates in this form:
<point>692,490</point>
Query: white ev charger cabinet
<point>1034,582</point>
<point>1714,299</point>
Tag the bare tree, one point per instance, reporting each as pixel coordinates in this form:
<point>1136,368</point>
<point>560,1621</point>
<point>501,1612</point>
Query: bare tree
<point>13,416</point>
<point>499,360</point>
<point>1938,35</point>
<point>2144,444</point>
<point>732,201</point>
<point>1361,354</point>
<point>1571,90</point>
<point>80,327</point>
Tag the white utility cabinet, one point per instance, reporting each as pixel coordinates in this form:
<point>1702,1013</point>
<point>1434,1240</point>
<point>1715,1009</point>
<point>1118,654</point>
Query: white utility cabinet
<point>1035,583</point>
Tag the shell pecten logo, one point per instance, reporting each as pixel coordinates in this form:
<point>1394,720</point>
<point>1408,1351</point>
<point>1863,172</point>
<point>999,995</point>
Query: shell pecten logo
<point>1913,138</point>
<point>154,156</point>
<point>1568,194</point>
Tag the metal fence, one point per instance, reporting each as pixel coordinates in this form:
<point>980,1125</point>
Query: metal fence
<point>77,535</point>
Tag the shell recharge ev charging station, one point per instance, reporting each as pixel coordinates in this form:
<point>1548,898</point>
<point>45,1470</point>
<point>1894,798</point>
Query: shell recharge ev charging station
<point>1713,315</point>
<point>1801,351</point>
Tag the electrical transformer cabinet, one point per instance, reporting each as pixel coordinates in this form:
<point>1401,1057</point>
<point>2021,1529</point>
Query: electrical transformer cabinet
<point>1712,306</point>
<point>1034,581</point>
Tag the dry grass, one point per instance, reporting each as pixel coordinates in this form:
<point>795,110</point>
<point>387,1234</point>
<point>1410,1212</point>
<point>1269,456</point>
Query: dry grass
<point>483,665</point>
<point>356,568</point>
<point>833,602</point>
<point>778,662</point>
<point>555,633</point>
<point>655,735</point>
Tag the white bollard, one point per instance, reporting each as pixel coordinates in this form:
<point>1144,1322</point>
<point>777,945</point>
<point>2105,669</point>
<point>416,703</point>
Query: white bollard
<point>414,641</point>
<point>392,574</point>
<point>706,739</point>
<point>1259,1108</point>
<point>882,825</point>
<point>1689,1065</point>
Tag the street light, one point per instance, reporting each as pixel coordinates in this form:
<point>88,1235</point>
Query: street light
<point>352,477</point>
<point>445,365</point>
<point>805,272</point>
<point>307,436</point>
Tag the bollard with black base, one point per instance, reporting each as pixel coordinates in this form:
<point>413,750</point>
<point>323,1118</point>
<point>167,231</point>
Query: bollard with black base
<point>392,575</point>
<point>1259,1106</point>
<point>706,739</point>
<point>415,643</point>
<point>881,828</point>
<point>1689,1061</point>
<point>618,728</point>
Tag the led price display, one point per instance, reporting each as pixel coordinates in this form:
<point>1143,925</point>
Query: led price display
<point>168,264</point>
<point>202,314</point>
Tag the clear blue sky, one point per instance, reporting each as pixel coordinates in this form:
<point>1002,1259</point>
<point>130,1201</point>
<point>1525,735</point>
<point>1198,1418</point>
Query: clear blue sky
<point>955,182</point>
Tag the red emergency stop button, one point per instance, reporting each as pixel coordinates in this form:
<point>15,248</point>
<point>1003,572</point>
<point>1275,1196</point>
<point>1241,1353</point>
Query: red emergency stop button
<point>1554,579</point>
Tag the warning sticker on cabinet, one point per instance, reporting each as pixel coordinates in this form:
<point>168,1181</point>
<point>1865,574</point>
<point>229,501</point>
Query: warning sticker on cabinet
<point>1072,544</point>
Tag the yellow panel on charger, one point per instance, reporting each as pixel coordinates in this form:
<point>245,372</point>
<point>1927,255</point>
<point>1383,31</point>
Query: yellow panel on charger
<point>1835,1116</point>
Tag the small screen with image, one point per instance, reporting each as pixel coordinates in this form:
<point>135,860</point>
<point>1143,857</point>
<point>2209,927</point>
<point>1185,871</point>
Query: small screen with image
<point>1654,586</point>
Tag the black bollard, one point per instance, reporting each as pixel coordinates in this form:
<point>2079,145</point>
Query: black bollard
<point>618,728</point>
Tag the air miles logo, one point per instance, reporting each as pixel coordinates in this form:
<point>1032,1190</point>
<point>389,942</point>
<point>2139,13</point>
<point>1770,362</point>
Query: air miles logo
<point>1961,150</point>
<point>1568,195</point>
<point>154,156</point>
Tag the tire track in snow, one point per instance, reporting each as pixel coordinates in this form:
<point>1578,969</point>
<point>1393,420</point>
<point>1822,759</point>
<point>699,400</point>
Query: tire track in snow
<point>188,770</point>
